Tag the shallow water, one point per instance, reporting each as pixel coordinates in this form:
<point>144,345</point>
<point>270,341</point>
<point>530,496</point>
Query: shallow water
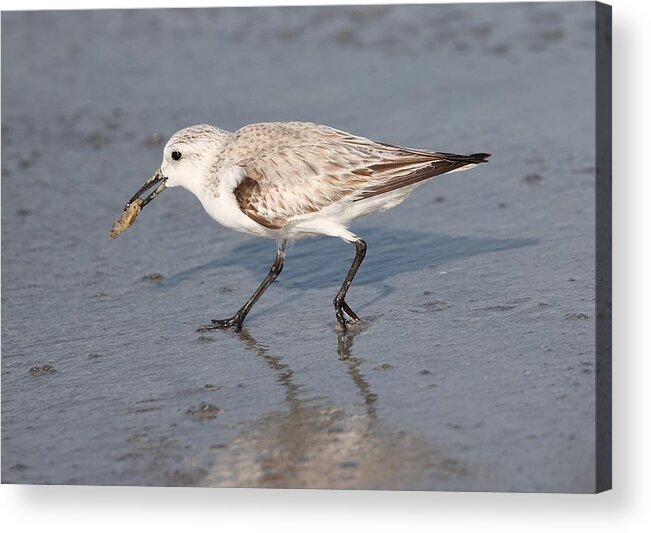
<point>475,370</point>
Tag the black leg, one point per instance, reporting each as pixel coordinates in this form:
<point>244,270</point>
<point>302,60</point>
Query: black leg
<point>340,300</point>
<point>235,321</point>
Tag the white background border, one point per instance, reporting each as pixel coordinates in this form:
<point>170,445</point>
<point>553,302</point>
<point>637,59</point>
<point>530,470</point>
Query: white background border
<point>626,508</point>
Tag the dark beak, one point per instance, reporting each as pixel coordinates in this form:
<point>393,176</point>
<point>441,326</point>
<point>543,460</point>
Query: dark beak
<point>154,180</point>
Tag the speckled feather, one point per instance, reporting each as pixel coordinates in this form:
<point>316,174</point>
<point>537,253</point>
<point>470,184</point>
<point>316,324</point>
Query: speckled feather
<point>297,168</point>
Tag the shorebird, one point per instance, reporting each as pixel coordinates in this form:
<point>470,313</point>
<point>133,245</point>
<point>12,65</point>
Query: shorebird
<point>291,180</point>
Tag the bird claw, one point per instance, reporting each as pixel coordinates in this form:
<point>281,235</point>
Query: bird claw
<point>342,307</point>
<point>234,323</point>
<point>353,320</point>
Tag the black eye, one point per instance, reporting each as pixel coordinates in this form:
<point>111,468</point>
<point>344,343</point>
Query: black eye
<point>176,155</point>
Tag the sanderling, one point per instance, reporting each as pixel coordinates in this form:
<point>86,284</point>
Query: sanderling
<point>290,180</point>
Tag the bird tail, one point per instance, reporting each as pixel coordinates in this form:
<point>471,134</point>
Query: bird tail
<point>439,163</point>
<point>471,159</point>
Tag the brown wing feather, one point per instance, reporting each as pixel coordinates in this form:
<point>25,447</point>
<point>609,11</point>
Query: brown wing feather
<point>248,194</point>
<point>431,170</point>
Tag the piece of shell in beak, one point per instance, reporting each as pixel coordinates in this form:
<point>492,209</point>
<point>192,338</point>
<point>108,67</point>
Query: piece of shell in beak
<point>135,205</point>
<point>127,218</point>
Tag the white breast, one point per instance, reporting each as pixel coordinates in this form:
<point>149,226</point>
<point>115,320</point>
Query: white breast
<point>219,201</point>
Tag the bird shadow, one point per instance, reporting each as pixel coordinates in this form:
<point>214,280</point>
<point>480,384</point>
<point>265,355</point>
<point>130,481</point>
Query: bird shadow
<point>323,262</point>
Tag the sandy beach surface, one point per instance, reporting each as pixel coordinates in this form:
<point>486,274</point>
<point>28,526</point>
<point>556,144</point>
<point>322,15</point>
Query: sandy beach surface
<point>475,370</point>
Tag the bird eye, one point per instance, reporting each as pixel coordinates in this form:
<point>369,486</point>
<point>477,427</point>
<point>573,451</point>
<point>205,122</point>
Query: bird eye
<point>176,155</point>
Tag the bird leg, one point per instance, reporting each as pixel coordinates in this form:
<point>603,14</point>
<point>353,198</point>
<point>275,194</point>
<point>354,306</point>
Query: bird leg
<point>236,320</point>
<point>340,300</point>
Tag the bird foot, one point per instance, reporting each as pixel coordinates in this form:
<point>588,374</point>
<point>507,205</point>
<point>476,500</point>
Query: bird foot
<point>350,326</point>
<point>341,308</point>
<point>234,323</point>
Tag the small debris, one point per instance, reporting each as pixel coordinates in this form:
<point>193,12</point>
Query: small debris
<point>439,199</point>
<point>531,179</point>
<point>210,386</point>
<point>424,372</point>
<point>154,277</point>
<point>23,211</point>
<point>497,308</point>
<point>141,410</point>
<point>204,339</point>
<point>431,306</point>
<point>384,366</point>
<point>42,370</point>
<point>225,290</point>
<point>148,400</point>
<point>205,411</point>
<point>577,316</point>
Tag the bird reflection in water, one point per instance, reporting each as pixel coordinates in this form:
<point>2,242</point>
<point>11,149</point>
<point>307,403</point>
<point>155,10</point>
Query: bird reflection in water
<point>312,445</point>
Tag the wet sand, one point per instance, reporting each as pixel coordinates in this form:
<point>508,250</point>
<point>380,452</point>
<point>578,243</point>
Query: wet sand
<point>475,370</point>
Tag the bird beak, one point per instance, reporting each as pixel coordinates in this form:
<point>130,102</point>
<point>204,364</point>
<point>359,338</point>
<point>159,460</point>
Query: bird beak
<point>151,182</point>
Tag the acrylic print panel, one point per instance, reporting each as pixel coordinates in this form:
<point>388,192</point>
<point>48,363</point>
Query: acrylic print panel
<point>476,367</point>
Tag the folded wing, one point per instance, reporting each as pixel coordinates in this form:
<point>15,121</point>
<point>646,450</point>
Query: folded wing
<point>294,169</point>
